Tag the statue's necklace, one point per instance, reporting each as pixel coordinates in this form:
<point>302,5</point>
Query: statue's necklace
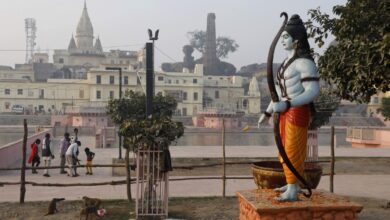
<point>280,76</point>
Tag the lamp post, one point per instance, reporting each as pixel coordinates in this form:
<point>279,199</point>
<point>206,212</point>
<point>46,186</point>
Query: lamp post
<point>150,72</point>
<point>120,97</point>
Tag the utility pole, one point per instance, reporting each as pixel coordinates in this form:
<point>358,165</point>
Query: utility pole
<point>120,97</point>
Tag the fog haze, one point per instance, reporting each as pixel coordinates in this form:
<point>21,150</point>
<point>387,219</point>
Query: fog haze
<point>252,23</point>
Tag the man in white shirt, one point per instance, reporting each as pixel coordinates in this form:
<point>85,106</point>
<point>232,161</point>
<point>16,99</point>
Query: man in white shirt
<point>71,158</point>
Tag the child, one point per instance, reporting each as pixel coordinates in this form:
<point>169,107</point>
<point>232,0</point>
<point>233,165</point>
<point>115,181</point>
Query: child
<point>34,156</point>
<point>88,164</point>
<point>47,153</point>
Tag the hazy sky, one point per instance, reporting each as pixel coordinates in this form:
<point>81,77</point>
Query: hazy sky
<point>252,23</point>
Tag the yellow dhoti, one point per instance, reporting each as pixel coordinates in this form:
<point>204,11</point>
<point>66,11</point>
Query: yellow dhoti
<point>294,124</point>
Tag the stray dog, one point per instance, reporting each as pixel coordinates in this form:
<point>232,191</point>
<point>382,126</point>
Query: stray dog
<point>53,206</point>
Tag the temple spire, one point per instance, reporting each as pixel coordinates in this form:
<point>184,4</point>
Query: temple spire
<point>84,31</point>
<point>72,44</point>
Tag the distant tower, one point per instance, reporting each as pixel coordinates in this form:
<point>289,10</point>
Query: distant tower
<point>210,60</point>
<point>31,29</point>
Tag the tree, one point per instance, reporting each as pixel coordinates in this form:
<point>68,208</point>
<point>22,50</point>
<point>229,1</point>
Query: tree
<point>325,104</point>
<point>155,132</point>
<point>225,45</point>
<point>385,108</point>
<point>358,62</point>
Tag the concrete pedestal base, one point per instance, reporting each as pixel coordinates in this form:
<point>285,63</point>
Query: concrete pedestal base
<point>261,205</point>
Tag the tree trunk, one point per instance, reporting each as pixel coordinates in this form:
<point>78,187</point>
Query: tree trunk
<point>128,176</point>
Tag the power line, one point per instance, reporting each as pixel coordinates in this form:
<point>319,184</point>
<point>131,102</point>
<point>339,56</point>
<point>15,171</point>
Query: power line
<point>107,47</point>
<point>166,55</point>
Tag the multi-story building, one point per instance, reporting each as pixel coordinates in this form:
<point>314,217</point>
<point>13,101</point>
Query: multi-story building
<point>100,86</point>
<point>376,102</point>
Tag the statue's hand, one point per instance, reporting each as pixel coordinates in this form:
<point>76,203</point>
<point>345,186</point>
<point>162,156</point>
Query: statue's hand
<point>263,118</point>
<point>279,106</point>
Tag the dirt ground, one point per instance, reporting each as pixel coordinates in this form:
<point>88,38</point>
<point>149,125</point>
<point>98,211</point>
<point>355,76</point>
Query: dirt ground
<point>212,208</point>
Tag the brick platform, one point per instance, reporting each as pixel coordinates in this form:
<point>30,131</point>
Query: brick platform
<point>261,205</point>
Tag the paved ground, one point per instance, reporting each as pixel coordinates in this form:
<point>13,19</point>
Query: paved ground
<point>357,185</point>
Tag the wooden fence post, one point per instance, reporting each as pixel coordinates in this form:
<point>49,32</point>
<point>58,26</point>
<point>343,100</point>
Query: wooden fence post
<point>23,170</point>
<point>223,159</point>
<point>332,160</point>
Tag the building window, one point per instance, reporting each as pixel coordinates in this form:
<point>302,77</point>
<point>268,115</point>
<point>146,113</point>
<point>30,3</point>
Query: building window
<point>98,79</point>
<point>184,111</point>
<point>376,100</point>
<point>111,94</point>
<point>81,94</point>
<point>41,93</point>
<point>184,95</point>
<point>169,81</point>
<point>126,80</point>
<point>217,94</point>
<point>30,93</point>
<point>112,79</point>
<point>61,60</point>
<point>195,96</point>
<point>120,61</point>
<point>98,94</point>
<point>7,91</point>
<point>112,62</point>
<point>177,81</point>
<point>160,78</point>
<point>184,81</point>
<point>7,105</point>
<point>194,81</point>
<point>20,91</point>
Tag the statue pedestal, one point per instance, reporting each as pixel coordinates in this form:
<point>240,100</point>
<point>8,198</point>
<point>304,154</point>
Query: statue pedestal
<point>260,204</point>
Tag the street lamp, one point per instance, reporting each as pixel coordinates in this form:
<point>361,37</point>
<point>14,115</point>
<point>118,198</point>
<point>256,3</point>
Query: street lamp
<point>120,97</point>
<point>150,72</point>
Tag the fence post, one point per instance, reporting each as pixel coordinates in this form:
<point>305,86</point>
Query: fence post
<point>223,159</point>
<point>23,170</point>
<point>332,161</point>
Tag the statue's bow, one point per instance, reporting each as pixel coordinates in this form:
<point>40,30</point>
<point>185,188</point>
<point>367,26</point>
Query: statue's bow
<point>275,98</point>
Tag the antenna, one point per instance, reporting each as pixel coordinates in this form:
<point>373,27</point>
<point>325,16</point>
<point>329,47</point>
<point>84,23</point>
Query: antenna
<point>31,29</point>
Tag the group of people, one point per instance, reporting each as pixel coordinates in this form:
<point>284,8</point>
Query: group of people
<point>69,152</point>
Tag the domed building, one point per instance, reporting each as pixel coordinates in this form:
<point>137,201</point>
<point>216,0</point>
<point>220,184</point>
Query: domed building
<point>84,51</point>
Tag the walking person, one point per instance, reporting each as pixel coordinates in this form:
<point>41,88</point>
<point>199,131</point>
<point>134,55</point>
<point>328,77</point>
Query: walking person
<point>71,158</point>
<point>47,153</point>
<point>34,158</point>
<point>88,164</point>
<point>64,144</point>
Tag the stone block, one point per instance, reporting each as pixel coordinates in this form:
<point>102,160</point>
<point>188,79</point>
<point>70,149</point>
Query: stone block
<point>260,204</point>
<point>118,171</point>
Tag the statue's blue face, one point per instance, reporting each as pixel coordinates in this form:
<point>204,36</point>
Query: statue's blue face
<point>287,41</point>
